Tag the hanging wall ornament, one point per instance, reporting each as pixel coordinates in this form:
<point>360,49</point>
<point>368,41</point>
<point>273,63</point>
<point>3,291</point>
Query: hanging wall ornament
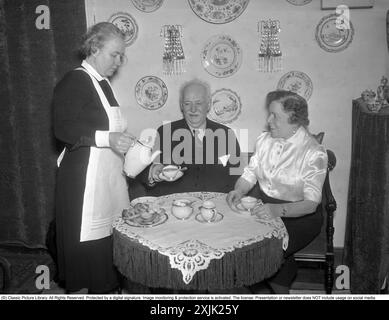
<point>173,59</point>
<point>270,55</point>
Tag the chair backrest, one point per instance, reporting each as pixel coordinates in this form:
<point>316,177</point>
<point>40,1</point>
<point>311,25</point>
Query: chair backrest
<point>329,203</point>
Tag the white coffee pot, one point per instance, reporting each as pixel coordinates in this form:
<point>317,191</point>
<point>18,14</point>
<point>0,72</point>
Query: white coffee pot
<point>138,158</point>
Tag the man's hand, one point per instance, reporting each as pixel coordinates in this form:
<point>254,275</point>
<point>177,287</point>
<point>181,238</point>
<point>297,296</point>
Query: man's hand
<point>155,171</point>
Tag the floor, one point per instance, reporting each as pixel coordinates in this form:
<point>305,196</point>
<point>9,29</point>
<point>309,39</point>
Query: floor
<point>24,263</point>
<point>308,281</point>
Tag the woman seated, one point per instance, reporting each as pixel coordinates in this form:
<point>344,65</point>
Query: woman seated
<point>290,167</point>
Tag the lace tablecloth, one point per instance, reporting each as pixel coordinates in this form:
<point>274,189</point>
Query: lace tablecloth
<point>216,252</point>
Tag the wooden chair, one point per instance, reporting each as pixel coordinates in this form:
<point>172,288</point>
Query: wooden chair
<point>321,250</point>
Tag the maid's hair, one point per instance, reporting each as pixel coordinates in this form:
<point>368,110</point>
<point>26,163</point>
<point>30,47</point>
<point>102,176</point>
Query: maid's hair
<point>97,35</point>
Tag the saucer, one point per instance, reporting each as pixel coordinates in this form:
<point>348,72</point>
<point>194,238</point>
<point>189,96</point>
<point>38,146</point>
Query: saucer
<point>150,220</point>
<point>183,219</point>
<point>242,209</point>
<point>157,219</point>
<point>218,218</point>
<point>147,200</point>
<point>164,178</point>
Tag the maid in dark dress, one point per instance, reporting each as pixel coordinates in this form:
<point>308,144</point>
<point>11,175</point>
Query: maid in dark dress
<point>91,190</point>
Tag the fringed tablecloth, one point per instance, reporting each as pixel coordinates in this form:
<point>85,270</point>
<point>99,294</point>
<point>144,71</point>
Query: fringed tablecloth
<point>239,250</point>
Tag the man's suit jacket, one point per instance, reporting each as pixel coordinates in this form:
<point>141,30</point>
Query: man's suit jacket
<point>178,147</point>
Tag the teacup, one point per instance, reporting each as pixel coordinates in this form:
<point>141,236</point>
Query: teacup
<point>248,202</point>
<point>170,171</point>
<point>208,210</point>
<point>182,208</point>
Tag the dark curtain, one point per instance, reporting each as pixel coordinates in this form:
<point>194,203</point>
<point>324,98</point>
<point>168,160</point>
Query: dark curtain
<point>31,62</point>
<point>367,228</point>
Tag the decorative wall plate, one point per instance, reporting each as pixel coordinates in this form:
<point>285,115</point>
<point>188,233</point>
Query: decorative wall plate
<point>333,39</point>
<point>298,82</point>
<point>151,92</point>
<point>299,2</point>
<point>147,5</point>
<point>225,106</point>
<point>221,56</point>
<point>218,11</point>
<point>125,22</point>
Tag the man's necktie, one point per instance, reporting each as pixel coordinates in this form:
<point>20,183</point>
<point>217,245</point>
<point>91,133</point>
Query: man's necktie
<point>196,133</point>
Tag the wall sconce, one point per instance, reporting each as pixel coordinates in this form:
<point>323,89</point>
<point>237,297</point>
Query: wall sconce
<point>270,55</point>
<point>173,59</point>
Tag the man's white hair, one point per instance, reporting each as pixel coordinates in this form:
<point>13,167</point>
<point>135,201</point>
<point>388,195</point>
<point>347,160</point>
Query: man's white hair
<point>198,82</point>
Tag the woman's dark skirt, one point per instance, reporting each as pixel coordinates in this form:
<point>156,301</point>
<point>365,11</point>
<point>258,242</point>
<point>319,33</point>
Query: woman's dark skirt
<point>302,231</point>
<point>86,264</point>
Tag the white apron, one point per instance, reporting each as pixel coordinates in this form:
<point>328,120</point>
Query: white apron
<point>106,191</point>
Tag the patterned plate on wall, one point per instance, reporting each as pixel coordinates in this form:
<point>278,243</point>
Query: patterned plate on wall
<point>218,11</point>
<point>125,22</point>
<point>333,33</point>
<point>299,2</point>
<point>221,56</point>
<point>298,82</point>
<point>151,92</point>
<point>147,5</point>
<point>225,106</point>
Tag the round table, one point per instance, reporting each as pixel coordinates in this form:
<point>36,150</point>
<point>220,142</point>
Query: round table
<point>240,266</point>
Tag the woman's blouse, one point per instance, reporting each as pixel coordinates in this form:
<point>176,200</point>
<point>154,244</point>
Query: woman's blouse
<point>291,169</point>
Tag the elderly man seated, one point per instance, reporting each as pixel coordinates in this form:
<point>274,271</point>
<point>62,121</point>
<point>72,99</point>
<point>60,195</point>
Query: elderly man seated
<point>208,150</point>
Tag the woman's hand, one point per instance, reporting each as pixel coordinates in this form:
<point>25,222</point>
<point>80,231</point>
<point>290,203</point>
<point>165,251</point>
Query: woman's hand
<point>267,211</point>
<point>233,199</point>
<point>121,142</point>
